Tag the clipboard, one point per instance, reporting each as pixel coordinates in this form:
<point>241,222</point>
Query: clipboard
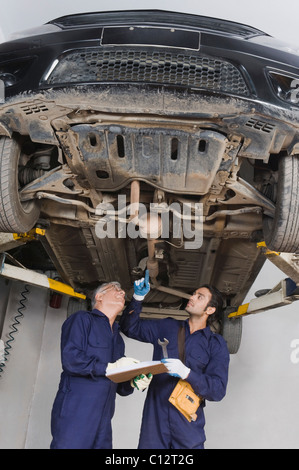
<point>123,374</point>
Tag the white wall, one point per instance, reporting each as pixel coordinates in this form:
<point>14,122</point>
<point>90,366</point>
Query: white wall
<point>261,408</point>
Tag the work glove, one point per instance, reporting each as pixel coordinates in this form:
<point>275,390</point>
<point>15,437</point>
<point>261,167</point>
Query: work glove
<point>176,368</point>
<point>141,382</point>
<point>122,362</point>
<point>141,287</point>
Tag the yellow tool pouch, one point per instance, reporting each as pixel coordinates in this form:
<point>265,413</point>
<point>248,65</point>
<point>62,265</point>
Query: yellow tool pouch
<point>183,396</point>
<point>185,400</point>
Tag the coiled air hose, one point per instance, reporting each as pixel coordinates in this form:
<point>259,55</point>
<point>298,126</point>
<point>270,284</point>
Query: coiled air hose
<point>14,328</point>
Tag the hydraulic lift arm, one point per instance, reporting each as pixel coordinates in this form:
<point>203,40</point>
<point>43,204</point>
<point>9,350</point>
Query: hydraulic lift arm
<point>284,293</point>
<point>15,270</point>
<point>20,273</point>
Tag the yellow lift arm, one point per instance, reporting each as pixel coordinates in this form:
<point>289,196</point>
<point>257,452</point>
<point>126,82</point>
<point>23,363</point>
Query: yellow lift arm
<point>21,273</point>
<point>284,293</point>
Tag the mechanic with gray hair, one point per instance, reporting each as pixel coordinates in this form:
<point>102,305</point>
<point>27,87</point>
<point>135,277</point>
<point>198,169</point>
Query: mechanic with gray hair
<point>90,345</point>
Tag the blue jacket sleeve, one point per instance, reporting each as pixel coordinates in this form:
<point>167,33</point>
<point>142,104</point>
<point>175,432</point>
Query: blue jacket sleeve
<point>125,388</point>
<point>74,357</point>
<point>212,382</point>
<point>142,330</point>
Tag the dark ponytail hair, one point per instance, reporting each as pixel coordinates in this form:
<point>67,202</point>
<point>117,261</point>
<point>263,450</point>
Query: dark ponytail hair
<point>216,302</point>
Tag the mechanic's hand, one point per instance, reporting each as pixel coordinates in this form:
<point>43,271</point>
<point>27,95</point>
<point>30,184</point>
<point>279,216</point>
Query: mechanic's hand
<point>176,368</point>
<point>141,382</point>
<point>122,362</point>
<point>141,287</point>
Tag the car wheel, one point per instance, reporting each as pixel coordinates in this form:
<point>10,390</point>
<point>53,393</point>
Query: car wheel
<point>15,216</point>
<point>231,330</point>
<point>281,233</point>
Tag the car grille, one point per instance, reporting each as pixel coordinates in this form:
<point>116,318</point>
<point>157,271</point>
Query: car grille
<point>92,65</point>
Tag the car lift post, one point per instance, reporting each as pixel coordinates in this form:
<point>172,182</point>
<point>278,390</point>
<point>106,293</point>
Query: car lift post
<point>284,293</point>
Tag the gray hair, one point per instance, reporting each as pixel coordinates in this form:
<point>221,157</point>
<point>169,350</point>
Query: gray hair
<point>101,288</point>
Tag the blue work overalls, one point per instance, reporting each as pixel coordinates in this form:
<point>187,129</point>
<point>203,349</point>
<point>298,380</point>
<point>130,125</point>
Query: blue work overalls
<point>85,401</point>
<point>163,426</point>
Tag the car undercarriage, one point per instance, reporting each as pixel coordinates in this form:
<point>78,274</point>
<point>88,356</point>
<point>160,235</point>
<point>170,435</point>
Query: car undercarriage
<point>216,168</point>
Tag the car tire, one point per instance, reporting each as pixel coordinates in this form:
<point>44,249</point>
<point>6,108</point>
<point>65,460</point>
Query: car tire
<point>231,330</point>
<point>15,216</point>
<point>281,234</point>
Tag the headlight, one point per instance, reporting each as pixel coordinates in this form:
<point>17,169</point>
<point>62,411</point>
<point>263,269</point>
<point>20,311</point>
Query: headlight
<point>13,71</point>
<point>286,87</point>
<point>8,79</point>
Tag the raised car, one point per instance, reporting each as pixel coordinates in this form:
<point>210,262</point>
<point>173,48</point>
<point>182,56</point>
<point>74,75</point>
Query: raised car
<point>195,120</point>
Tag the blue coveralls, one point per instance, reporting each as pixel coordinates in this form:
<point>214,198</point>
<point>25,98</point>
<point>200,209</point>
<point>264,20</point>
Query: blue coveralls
<point>163,426</point>
<point>85,401</point>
